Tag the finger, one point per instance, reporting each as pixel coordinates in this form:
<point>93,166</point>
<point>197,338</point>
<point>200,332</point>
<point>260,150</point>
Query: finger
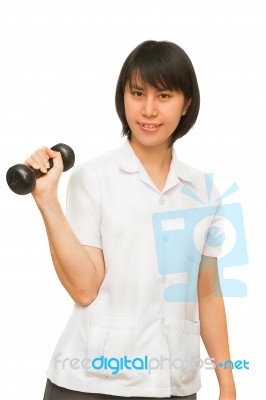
<point>39,157</point>
<point>57,159</point>
<point>34,162</point>
<point>39,160</point>
<point>31,163</point>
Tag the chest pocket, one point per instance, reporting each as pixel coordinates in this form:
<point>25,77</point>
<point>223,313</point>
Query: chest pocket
<point>111,346</point>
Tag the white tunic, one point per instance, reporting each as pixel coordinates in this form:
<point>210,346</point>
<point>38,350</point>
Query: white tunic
<point>143,329</point>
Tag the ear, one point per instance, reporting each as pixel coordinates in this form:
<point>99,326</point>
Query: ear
<point>186,106</point>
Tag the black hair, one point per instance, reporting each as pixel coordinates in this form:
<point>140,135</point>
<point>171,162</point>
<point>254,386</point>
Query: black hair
<point>163,65</point>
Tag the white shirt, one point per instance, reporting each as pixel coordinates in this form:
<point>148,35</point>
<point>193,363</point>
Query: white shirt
<point>146,308</point>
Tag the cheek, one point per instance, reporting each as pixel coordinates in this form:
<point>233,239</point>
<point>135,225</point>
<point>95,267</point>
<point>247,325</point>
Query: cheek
<point>176,113</point>
<point>172,115</point>
<point>130,110</point>
<point>127,104</point>
<point>128,114</point>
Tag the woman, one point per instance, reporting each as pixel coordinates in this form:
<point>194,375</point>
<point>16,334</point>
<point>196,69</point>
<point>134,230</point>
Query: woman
<point>143,292</point>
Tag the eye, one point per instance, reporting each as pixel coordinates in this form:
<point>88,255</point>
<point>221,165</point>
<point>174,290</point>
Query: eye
<point>137,93</point>
<point>164,96</point>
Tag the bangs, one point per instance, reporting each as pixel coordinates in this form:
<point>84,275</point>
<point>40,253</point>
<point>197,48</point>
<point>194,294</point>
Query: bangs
<point>144,77</point>
<point>158,69</point>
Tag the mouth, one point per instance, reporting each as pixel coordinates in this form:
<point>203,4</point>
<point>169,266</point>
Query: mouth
<point>149,126</point>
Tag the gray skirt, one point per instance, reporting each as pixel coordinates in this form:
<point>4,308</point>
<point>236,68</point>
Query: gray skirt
<point>54,392</point>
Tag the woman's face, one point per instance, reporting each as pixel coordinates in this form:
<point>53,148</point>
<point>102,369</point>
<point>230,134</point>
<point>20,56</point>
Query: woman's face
<point>153,114</point>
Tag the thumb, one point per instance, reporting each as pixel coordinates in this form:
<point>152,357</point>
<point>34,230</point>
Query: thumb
<point>57,159</point>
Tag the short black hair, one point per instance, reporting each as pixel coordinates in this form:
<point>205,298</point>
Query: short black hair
<point>163,65</point>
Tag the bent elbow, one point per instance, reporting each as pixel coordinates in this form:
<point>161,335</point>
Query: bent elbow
<point>84,299</point>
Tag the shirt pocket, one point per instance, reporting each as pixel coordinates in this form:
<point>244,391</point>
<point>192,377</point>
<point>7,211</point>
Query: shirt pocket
<point>191,346</point>
<point>112,344</point>
<point>192,327</point>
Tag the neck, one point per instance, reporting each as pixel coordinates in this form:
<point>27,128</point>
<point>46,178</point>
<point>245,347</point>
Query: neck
<point>156,158</point>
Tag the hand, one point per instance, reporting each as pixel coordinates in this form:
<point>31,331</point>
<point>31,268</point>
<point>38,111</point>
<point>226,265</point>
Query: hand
<point>46,185</point>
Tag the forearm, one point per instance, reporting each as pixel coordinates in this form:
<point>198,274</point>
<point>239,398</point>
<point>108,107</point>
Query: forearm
<point>215,337</point>
<point>72,264</point>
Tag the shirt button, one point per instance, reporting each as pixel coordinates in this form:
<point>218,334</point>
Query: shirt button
<point>163,279</point>
<point>163,320</point>
<point>162,201</point>
<point>165,238</point>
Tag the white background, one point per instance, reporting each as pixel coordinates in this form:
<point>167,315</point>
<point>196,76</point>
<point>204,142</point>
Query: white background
<point>59,64</point>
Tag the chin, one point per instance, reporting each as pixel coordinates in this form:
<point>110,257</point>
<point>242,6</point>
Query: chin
<point>150,141</point>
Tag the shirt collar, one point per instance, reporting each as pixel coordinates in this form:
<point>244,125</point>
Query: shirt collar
<point>129,162</point>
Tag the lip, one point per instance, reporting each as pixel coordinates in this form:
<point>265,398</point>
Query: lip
<point>149,127</point>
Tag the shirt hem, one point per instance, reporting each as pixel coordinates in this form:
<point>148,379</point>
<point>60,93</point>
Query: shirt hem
<point>113,389</point>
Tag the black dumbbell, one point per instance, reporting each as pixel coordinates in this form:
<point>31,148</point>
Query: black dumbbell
<point>22,179</point>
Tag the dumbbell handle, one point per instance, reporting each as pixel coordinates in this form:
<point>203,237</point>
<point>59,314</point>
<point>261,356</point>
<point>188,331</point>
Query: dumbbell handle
<point>22,179</point>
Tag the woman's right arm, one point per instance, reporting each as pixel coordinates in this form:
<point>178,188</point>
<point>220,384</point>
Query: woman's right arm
<point>80,268</point>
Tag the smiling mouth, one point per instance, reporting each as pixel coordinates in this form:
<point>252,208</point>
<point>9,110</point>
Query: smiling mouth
<point>149,126</point>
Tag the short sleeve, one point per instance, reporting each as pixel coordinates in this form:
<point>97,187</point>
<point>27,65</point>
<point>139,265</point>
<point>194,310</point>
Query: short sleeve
<point>83,206</point>
<point>215,235</point>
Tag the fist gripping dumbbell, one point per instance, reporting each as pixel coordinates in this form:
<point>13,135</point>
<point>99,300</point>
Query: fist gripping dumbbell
<point>22,179</point>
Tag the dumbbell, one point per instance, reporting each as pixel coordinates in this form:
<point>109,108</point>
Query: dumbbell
<point>22,179</point>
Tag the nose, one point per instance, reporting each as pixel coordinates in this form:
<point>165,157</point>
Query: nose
<point>149,108</point>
